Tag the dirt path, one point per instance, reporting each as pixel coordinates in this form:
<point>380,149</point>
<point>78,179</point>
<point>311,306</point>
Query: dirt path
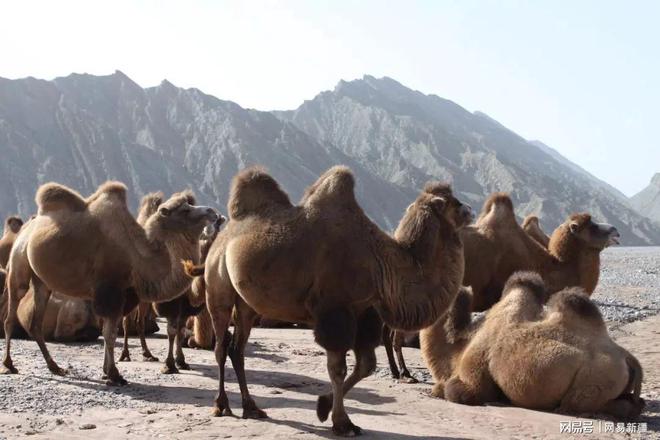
<point>286,371</point>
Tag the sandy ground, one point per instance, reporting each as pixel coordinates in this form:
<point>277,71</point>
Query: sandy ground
<point>286,372</point>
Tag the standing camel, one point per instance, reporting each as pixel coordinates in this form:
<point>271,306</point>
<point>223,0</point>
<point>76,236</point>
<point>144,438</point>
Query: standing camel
<point>325,263</point>
<point>94,249</point>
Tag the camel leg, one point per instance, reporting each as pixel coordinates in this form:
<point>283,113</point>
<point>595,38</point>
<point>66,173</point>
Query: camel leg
<point>220,319</point>
<point>387,342</point>
<point>180,359</point>
<point>365,364</point>
<point>625,407</point>
<point>125,355</point>
<point>110,371</point>
<point>15,292</point>
<point>41,297</point>
<point>243,322</point>
<point>406,377</point>
<point>169,367</point>
<point>143,312</point>
<point>341,423</point>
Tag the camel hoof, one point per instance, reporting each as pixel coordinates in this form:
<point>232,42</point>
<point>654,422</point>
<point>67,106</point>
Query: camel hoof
<point>149,358</point>
<point>116,382</point>
<point>323,407</point>
<point>254,413</point>
<point>346,429</point>
<point>169,369</point>
<point>183,366</point>
<point>58,371</point>
<point>222,412</point>
<point>408,379</point>
<point>124,358</point>
<point>8,370</point>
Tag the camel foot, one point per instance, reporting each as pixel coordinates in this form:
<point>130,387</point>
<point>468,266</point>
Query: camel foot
<point>116,381</point>
<point>323,407</point>
<point>183,365</point>
<point>346,428</point>
<point>125,357</point>
<point>148,357</point>
<point>250,411</point>
<point>169,369</point>
<point>222,412</point>
<point>8,369</point>
<point>438,391</point>
<point>56,370</point>
<point>407,379</point>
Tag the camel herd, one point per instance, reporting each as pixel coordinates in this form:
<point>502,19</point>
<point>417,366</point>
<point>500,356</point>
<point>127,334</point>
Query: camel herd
<point>85,266</point>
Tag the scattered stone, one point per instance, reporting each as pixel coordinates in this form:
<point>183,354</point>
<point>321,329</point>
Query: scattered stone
<point>87,426</point>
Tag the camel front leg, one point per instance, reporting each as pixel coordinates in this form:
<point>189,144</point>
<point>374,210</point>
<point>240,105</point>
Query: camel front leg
<point>110,326</point>
<point>399,337</point>
<point>15,292</point>
<point>243,322</point>
<point>169,367</point>
<point>125,354</point>
<point>341,423</point>
<point>180,358</point>
<point>387,342</point>
<point>143,312</point>
<point>220,319</point>
<point>41,297</point>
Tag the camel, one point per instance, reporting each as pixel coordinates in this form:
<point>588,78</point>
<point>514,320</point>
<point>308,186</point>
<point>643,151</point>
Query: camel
<point>13,225</point>
<point>325,263</point>
<point>179,309</point>
<point>94,249</point>
<point>443,342</point>
<point>562,359</point>
<point>496,247</point>
<point>532,227</point>
<point>394,340</point>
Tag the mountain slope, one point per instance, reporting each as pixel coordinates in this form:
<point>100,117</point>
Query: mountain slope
<point>407,137</point>
<point>82,130</point>
<point>647,201</point>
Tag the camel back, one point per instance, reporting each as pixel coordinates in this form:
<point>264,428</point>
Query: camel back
<point>148,205</point>
<point>253,192</point>
<point>53,197</point>
<point>335,187</point>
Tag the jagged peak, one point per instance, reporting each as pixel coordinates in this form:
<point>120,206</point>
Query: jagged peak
<point>655,180</point>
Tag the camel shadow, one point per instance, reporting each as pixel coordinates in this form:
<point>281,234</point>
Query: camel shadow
<point>292,381</point>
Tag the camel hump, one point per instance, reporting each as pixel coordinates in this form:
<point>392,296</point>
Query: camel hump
<point>53,197</point>
<point>498,206</point>
<point>112,189</point>
<point>149,205</point>
<point>336,184</point>
<point>529,281</point>
<point>575,300</point>
<point>530,219</point>
<point>254,191</point>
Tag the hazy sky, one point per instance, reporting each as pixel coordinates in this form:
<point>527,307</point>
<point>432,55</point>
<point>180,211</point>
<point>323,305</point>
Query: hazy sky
<point>582,76</point>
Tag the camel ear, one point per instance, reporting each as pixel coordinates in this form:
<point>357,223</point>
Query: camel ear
<point>573,226</point>
<point>164,212</point>
<point>438,204</point>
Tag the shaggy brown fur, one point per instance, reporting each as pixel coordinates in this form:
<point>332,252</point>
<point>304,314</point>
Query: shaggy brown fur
<point>532,227</point>
<point>325,263</point>
<point>94,249</point>
<point>182,248</point>
<point>496,246</point>
<point>13,226</point>
<point>562,359</point>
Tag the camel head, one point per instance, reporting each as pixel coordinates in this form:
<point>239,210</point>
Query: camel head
<point>440,199</point>
<point>594,235</point>
<point>13,224</point>
<point>180,214</point>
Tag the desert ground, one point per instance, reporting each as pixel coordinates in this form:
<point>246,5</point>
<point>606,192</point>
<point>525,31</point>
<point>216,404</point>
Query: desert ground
<point>286,371</point>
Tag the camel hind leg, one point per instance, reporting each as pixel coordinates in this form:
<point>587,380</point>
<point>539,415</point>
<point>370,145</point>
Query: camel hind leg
<point>170,367</point>
<point>140,324</point>
<point>398,341</point>
<point>244,318</point>
<point>109,301</point>
<point>41,296</point>
<point>387,342</point>
<point>15,290</point>
<point>180,359</point>
<point>125,354</point>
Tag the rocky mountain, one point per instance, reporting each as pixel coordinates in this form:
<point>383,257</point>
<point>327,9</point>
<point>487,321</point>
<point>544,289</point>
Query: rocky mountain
<point>81,130</point>
<point>647,201</point>
<point>407,137</point>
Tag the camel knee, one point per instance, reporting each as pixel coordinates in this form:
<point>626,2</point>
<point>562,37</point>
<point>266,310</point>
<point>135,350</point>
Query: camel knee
<point>335,329</point>
<point>457,391</point>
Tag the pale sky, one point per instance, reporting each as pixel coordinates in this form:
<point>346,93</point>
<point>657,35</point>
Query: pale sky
<point>581,76</point>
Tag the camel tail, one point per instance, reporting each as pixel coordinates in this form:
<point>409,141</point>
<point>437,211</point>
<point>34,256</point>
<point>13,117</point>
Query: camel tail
<point>193,270</point>
<point>459,316</point>
<point>254,191</point>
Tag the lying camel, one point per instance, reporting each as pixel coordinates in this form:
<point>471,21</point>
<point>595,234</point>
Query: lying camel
<point>94,249</point>
<point>532,227</point>
<point>496,247</point>
<point>561,360</point>
<point>177,311</point>
<point>323,262</point>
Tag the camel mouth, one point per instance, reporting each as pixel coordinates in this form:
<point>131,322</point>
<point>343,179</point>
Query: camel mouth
<point>614,240</point>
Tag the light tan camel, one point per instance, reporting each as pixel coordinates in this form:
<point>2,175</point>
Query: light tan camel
<point>94,249</point>
<point>323,262</point>
<point>496,247</point>
<point>561,360</point>
<point>13,225</point>
<point>532,227</point>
